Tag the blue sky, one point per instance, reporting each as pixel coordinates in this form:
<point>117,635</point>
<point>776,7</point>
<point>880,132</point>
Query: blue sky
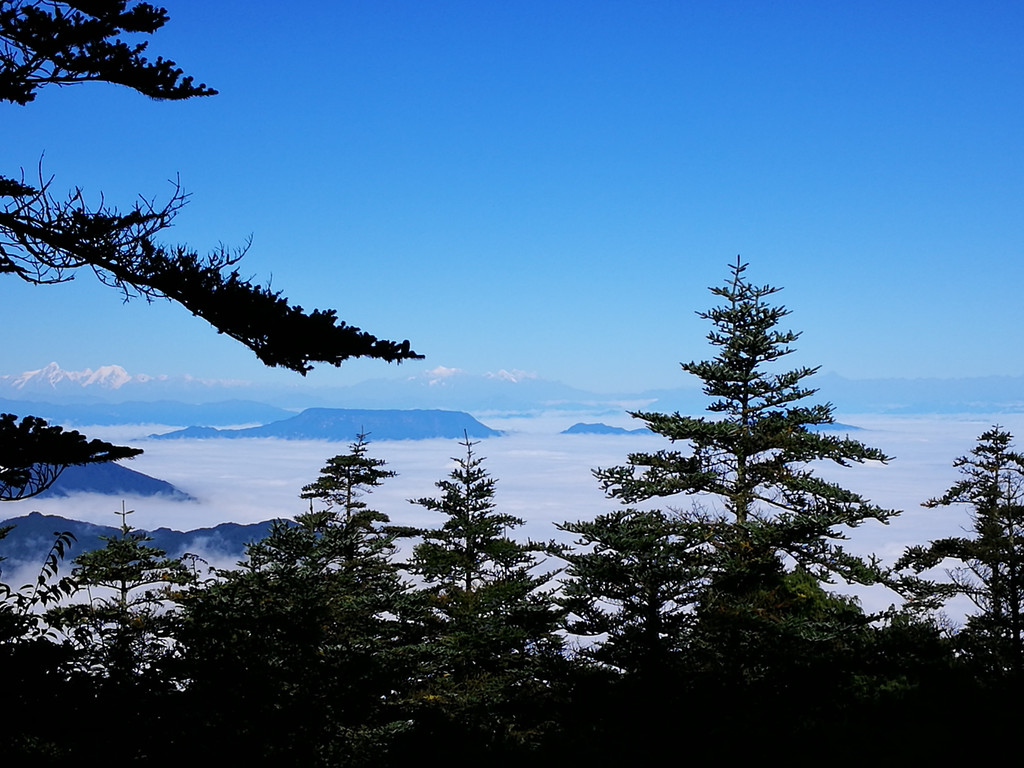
<point>552,186</point>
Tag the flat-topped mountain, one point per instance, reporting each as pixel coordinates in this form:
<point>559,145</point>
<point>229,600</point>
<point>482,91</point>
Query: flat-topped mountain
<point>603,429</point>
<point>342,425</point>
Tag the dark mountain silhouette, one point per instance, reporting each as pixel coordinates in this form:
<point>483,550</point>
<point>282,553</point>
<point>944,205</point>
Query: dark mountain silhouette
<point>32,535</point>
<point>111,479</point>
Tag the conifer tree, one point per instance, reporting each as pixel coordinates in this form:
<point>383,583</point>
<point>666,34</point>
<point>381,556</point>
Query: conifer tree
<point>125,630</point>
<point>479,578</point>
<point>755,459</point>
<point>490,626</point>
<point>342,484</point>
<point>761,534</point>
<point>122,646</point>
<point>991,561</point>
<point>305,638</point>
<point>633,577</point>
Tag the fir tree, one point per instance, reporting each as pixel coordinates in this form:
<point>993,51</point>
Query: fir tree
<point>342,484</point>
<point>755,460</point>
<point>305,639</point>
<point>991,562</point>
<point>122,647</point>
<point>125,630</point>
<point>490,626</point>
<point>762,534</point>
<point>633,577</point>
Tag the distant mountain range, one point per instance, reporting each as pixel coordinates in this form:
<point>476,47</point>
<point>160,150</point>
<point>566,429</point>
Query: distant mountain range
<point>109,382</point>
<point>336,424</point>
<point>28,543</point>
<point>603,429</point>
<point>224,413</point>
<point>452,389</point>
<point>113,480</point>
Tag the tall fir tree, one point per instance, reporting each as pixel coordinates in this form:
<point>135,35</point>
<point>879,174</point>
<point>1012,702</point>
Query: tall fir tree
<point>756,460</point>
<point>763,532</point>
<point>490,624</point>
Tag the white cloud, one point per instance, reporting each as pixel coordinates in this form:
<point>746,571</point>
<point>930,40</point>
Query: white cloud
<point>439,374</point>
<point>542,477</point>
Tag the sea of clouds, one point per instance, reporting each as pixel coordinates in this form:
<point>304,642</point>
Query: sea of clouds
<point>542,477</point>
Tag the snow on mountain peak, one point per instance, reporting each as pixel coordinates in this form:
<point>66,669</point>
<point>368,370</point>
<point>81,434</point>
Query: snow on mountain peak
<point>111,376</point>
<point>52,376</point>
<point>514,376</point>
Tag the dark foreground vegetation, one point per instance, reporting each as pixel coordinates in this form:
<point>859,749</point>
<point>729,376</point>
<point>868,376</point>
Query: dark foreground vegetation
<point>702,631</point>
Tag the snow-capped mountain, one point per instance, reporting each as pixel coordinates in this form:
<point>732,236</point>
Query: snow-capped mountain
<point>52,376</point>
<point>104,382</point>
<point>507,390</point>
<point>438,387</point>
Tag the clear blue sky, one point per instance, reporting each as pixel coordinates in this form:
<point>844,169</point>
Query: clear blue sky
<point>551,186</point>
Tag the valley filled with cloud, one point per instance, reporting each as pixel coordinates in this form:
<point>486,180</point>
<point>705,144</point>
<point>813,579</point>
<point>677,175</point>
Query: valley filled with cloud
<point>543,476</point>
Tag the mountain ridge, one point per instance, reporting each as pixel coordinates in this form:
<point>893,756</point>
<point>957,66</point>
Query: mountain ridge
<point>501,391</point>
<point>32,535</point>
<point>344,425</point>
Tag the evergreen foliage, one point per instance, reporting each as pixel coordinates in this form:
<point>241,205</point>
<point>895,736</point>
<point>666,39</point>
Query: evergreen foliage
<point>304,639</point>
<point>755,460</point>
<point>46,238</point>
<point>117,652</point>
<point>124,629</point>
<point>727,593</point>
<point>343,481</point>
<point>64,43</point>
<point>490,627</point>
<point>991,561</point>
<point>33,454</point>
<point>632,581</point>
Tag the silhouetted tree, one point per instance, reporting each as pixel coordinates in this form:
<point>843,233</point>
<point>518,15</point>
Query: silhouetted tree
<point>490,626</point>
<point>124,630</point>
<point>45,238</point>
<point>991,561</point>
<point>756,459</point>
<point>33,454</point>
<point>764,531</point>
<point>122,646</point>
<point>297,655</point>
<point>633,577</point>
